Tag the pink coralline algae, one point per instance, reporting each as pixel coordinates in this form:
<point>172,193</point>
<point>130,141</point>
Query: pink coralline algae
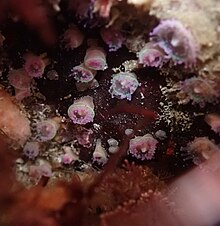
<point>34,65</point>
<point>113,38</point>
<point>176,41</point>
<point>31,149</point>
<point>72,38</point>
<point>82,110</point>
<point>198,90</point>
<point>124,84</point>
<point>143,147</point>
<point>151,55</point>
<point>83,74</point>
<point>47,129</point>
<point>214,121</point>
<point>201,148</point>
<point>95,58</point>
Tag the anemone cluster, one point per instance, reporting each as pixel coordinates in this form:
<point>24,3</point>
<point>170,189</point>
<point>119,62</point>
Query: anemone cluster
<point>107,78</point>
<point>103,94</point>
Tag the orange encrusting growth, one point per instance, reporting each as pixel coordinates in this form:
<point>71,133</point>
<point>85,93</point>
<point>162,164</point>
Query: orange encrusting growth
<point>13,122</point>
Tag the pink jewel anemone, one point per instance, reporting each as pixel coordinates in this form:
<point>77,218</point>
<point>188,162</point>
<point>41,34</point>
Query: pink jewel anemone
<point>31,149</point>
<point>95,59</point>
<point>82,111</point>
<point>214,121</point>
<point>73,38</point>
<point>143,147</point>
<point>113,38</point>
<point>176,41</point>
<point>47,129</point>
<point>124,84</point>
<point>151,55</point>
<point>83,74</point>
<point>34,65</point>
